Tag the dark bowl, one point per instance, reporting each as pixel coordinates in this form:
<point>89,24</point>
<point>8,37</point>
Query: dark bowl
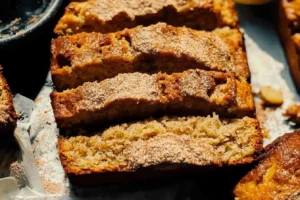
<point>23,20</point>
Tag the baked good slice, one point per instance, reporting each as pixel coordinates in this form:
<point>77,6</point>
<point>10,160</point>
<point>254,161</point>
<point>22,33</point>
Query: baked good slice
<point>293,112</point>
<point>110,16</point>
<point>289,29</point>
<point>8,116</point>
<point>93,56</point>
<point>146,148</point>
<point>277,176</point>
<point>137,95</point>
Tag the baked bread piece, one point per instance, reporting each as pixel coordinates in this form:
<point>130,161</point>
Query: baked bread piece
<point>8,116</point>
<point>92,56</point>
<point>164,144</point>
<point>293,112</point>
<point>277,176</point>
<point>137,95</point>
<point>289,28</point>
<point>107,16</point>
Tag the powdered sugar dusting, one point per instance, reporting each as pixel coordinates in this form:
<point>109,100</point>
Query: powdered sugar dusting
<point>43,130</point>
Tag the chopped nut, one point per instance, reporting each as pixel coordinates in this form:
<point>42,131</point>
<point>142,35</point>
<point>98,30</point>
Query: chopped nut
<point>271,96</point>
<point>293,112</point>
<point>265,132</point>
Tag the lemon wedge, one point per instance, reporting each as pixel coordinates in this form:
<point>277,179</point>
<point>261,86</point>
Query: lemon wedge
<point>253,2</point>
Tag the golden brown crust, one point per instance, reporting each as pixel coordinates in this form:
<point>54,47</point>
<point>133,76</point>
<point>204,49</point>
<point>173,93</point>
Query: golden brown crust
<point>293,112</point>
<point>101,16</point>
<point>88,57</point>
<point>199,141</point>
<point>8,116</point>
<point>277,174</point>
<point>288,28</point>
<point>137,95</point>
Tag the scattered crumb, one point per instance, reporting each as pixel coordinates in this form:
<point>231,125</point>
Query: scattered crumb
<point>265,132</point>
<point>39,99</point>
<point>32,20</point>
<point>262,117</point>
<point>271,96</point>
<point>46,111</point>
<point>50,187</point>
<point>20,33</point>
<point>40,163</point>
<point>17,171</point>
<point>36,145</point>
<point>260,112</point>
<point>293,113</point>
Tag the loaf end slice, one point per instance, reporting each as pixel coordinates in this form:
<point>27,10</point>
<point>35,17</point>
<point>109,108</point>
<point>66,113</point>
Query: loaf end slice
<point>277,174</point>
<point>101,16</point>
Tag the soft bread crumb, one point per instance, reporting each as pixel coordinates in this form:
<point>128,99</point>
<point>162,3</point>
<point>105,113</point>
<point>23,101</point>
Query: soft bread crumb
<point>191,140</point>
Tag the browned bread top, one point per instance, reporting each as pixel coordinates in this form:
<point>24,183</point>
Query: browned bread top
<point>200,141</point>
<point>110,16</point>
<point>92,56</point>
<point>277,176</point>
<point>8,116</point>
<point>137,95</point>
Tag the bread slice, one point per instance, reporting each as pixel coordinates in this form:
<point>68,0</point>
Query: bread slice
<point>137,95</point>
<point>289,29</point>
<point>106,16</point>
<point>92,56</point>
<point>8,116</point>
<point>163,144</point>
<point>277,174</point>
<point>293,113</point>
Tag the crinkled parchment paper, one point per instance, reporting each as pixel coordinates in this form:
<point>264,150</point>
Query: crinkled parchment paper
<point>268,67</point>
<point>20,177</point>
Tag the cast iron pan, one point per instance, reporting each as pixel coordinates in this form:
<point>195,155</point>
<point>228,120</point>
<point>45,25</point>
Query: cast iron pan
<point>20,20</point>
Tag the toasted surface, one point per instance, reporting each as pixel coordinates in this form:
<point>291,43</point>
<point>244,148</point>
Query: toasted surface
<point>93,56</point>
<point>200,141</point>
<point>110,16</point>
<point>277,174</point>
<point>290,35</point>
<point>8,116</point>
<point>138,95</point>
<point>293,112</point>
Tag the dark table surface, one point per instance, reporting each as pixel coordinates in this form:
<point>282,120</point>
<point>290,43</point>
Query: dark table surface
<point>26,68</point>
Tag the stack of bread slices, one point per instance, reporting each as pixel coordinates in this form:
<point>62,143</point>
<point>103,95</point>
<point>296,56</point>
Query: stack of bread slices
<point>148,88</point>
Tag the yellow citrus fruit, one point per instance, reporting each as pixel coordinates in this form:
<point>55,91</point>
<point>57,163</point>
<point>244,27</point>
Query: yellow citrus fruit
<point>253,2</point>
